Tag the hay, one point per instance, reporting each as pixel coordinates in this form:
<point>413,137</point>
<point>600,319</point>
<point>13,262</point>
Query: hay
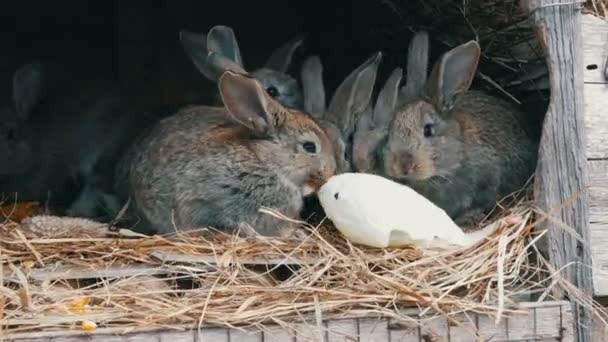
<point>55,279</point>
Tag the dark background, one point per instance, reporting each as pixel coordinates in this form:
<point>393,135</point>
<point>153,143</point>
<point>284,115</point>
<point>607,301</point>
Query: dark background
<point>137,43</point>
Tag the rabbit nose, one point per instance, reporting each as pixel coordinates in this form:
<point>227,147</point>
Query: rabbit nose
<point>408,164</point>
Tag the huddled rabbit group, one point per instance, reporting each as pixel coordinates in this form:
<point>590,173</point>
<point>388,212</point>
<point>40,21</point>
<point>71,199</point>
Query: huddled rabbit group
<point>270,140</point>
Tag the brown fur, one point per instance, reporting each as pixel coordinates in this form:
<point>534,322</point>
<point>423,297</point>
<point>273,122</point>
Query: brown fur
<point>210,166</point>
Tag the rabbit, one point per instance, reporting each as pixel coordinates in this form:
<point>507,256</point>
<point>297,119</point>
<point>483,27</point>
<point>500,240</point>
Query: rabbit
<point>217,166</point>
<point>222,41</point>
<point>350,100</point>
<point>462,149</point>
<point>31,166</point>
<point>372,128</point>
<point>56,152</point>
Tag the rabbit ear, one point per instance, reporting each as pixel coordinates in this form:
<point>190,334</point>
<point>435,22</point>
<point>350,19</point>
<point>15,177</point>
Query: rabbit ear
<point>281,57</point>
<point>27,86</point>
<point>195,46</point>
<point>247,102</point>
<point>221,39</point>
<point>217,64</point>
<point>417,66</point>
<point>353,95</point>
<point>453,75</point>
<point>366,142</point>
<point>387,100</point>
<point>313,88</point>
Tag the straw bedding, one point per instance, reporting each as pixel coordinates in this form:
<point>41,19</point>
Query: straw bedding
<point>60,272</point>
<point>56,273</point>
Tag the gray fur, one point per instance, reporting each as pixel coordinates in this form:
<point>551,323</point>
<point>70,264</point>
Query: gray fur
<point>417,66</point>
<point>213,166</point>
<point>349,102</point>
<point>373,126</point>
<point>50,151</point>
<point>478,151</point>
<point>222,41</point>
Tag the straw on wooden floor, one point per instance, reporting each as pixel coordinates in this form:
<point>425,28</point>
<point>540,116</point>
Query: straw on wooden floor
<point>58,273</point>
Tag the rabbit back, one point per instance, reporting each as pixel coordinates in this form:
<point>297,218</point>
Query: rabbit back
<point>201,168</point>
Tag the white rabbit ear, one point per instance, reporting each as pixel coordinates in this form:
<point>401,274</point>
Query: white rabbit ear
<point>27,88</point>
<point>417,66</point>
<point>282,56</point>
<point>353,95</point>
<point>387,100</point>
<point>221,39</point>
<point>195,46</point>
<point>313,88</point>
<point>248,103</point>
<point>453,75</point>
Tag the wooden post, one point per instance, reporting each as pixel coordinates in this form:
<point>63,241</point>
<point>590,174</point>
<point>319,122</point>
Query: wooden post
<point>561,174</point>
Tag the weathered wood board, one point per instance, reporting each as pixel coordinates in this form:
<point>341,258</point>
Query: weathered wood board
<point>595,42</point>
<point>550,321</point>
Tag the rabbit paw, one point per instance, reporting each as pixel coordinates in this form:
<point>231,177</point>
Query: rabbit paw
<point>293,232</point>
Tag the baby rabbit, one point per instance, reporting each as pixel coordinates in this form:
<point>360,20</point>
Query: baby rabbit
<point>219,51</point>
<point>215,166</point>
<point>56,153</point>
<point>462,149</point>
<point>30,169</point>
<point>350,100</point>
<point>372,127</point>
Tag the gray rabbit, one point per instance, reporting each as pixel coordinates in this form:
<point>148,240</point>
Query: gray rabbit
<point>350,100</point>
<point>215,166</point>
<point>60,151</point>
<point>31,168</point>
<point>462,149</point>
<point>373,126</point>
<point>218,51</point>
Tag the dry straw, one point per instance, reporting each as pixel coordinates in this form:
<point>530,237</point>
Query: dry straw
<point>57,274</point>
<point>60,273</point>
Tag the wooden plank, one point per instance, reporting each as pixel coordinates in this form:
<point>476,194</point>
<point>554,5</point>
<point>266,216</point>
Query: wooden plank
<point>371,330</point>
<point>245,335</point>
<point>596,120</point>
<point>598,218</point>
<point>176,336</point>
<point>561,172</point>
<point>463,331</point>
<point>213,335</point>
<point>436,330</point>
<point>595,48</point>
<point>278,334</point>
<point>342,330</point>
<point>542,322</point>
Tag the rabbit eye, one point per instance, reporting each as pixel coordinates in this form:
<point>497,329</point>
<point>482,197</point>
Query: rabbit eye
<point>272,91</point>
<point>310,147</point>
<point>429,130</point>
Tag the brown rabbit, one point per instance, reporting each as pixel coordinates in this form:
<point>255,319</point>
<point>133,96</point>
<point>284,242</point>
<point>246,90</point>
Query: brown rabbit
<point>462,149</point>
<point>214,166</point>
<point>372,127</point>
<point>350,100</point>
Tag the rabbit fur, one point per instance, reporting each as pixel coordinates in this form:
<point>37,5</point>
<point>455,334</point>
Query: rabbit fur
<point>372,128</point>
<point>462,149</point>
<point>218,51</point>
<point>215,167</point>
<point>350,100</point>
<point>60,151</point>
